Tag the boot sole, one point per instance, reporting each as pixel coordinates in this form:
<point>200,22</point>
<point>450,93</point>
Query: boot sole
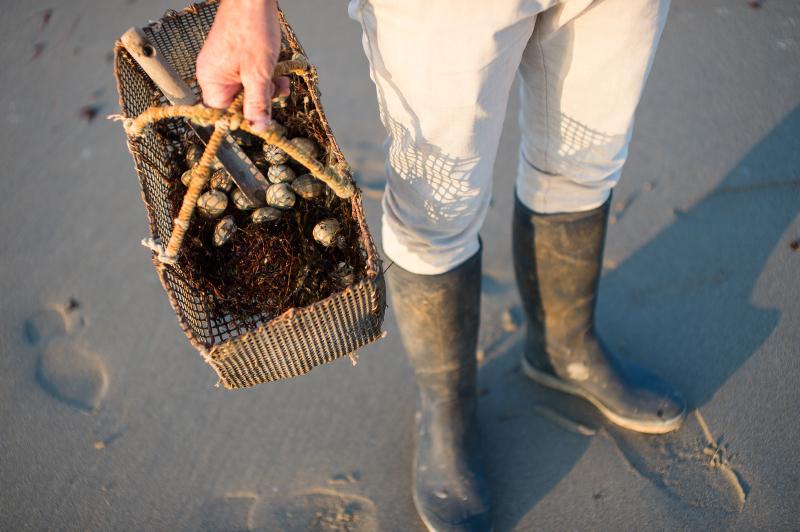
<point>661,427</point>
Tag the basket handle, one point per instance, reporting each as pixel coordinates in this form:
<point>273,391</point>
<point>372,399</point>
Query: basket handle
<point>158,68</point>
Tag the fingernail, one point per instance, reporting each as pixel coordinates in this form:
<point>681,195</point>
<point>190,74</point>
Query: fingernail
<point>260,124</point>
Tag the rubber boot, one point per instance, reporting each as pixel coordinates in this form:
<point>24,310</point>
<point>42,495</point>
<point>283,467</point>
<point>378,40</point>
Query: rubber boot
<point>438,317</point>
<point>558,259</point>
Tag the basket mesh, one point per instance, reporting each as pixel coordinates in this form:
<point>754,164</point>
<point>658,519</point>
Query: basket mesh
<point>244,351</point>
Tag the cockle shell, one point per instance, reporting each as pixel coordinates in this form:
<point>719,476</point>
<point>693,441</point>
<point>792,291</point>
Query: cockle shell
<point>279,128</point>
<point>241,201</point>
<point>345,274</point>
<point>221,180</point>
<point>224,230</point>
<point>280,173</point>
<point>193,154</point>
<point>308,187</point>
<point>325,232</point>
<point>186,177</point>
<point>275,155</point>
<point>265,214</point>
<point>212,204</point>
<point>306,145</point>
<point>281,196</point>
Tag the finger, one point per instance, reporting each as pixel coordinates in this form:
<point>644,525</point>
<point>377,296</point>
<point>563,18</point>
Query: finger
<point>281,86</point>
<point>219,95</point>
<point>257,100</point>
<point>218,90</point>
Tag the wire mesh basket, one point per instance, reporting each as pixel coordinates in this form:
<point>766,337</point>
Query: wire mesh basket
<point>261,346</point>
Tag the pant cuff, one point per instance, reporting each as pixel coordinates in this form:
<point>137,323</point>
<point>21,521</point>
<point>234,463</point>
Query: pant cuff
<point>550,193</point>
<point>422,258</point>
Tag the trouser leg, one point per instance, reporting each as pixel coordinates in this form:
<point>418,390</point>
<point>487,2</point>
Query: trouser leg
<point>581,79</point>
<point>443,71</point>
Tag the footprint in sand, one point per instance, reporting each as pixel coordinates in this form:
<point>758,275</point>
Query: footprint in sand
<point>689,464</point>
<point>229,513</point>
<point>65,369</point>
<point>324,509</point>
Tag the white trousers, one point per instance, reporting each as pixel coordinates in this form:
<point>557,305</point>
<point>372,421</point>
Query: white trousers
<point>443,70</point>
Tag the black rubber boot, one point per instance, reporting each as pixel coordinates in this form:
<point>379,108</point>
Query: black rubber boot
<point>438,316</point>
<point>558,259</point>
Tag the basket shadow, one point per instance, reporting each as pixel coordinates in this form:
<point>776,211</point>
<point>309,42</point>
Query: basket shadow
<point>681,305</point>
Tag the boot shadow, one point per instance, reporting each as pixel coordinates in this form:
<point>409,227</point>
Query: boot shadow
<point>682,305</point>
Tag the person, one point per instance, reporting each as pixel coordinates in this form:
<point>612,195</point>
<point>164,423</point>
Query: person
<point>443,71</point>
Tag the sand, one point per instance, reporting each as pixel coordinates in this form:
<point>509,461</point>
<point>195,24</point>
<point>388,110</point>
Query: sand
<point>110,421</point>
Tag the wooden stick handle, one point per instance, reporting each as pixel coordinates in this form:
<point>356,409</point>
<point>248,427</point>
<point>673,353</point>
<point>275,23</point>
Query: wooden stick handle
<point>158,68</point>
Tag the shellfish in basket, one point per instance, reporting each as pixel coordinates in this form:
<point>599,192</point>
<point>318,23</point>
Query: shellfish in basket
<point>212,204</point>
<point>307,187</point>
<point>229,292</point>
<point>326,231</point>
<point>221,180</point>
<point>266,214</point>
<point>280,196</point>
<point>224,230</point>
<point>280,173</point>
<point>275,155</point>
<point>241,201</point>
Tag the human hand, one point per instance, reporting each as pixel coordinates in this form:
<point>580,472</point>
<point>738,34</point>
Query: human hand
<point>241,51</point>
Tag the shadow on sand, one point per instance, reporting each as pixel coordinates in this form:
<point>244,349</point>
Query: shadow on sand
<point>682,305</point>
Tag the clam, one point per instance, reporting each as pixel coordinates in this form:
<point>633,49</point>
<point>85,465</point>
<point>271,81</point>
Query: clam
<point>224,230</point>
<point>280,173</point>
<point>275,155</point>
<point>186,177</point>
<point>280,196</point>
<point>265,214</point>
<point>241,201</point>
<point>212,204</point>
<point>345,274</point>
<point>308,187</point>
<point>279,128</point>
<point>221,180</point>
<point>193,154</point>
<point>325,232</point>
<point>306,145</point>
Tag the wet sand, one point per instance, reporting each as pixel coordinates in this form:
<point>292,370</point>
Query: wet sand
<point>110,421</point>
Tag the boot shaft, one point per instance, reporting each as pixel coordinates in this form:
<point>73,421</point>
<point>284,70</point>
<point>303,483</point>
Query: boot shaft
<point>438,317</point>
<point>558,260</point>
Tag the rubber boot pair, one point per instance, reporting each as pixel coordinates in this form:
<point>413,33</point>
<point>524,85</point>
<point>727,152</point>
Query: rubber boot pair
<point>558,260</point>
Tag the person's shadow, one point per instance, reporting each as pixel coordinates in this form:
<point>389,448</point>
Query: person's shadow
<point>682,306</point>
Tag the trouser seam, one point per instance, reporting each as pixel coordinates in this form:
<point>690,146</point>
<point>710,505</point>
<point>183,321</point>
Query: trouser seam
<point>538,42</point>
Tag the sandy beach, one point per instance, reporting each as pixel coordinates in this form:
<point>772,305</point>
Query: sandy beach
<point>109,420</point>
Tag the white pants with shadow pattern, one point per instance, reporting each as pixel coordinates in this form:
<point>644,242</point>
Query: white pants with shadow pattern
<point>443,70</point>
